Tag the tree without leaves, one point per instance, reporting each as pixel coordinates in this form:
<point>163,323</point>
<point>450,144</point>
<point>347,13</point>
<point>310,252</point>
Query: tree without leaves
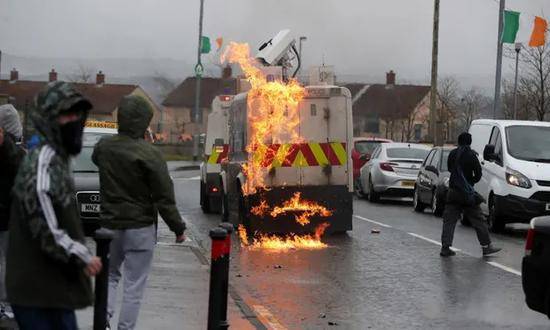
<point>471,105</point>
<point>534,82</point>
<point>81,75</point>
<point>449,102</point>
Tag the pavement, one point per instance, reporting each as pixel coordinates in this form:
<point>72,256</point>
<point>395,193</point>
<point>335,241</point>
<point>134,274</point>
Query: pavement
<point>177,290</point>
<point>391,280</point>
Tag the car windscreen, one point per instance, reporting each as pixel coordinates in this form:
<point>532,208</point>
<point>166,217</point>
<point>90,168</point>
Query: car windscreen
<point>83,162</point>
<point>530,143</point>
<point>407,153</point>
<point>444,159</point>
<point>366,147</point>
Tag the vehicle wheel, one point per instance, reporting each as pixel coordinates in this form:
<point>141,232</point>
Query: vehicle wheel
<point>224,207</point>
<point>417,203</point>
<point>205,201</point>
<point>437,207</point>
<point>374,197</point>
<point>359,189</point>
<point>494,220</point>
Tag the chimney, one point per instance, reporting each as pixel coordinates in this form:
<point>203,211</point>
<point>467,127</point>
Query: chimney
<point>390,78</point>
<point>52,76</point>
<point>227,72</point>
<point>100,78</point>
<point>14,75</point>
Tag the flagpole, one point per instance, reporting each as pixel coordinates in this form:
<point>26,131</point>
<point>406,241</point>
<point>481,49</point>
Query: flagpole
<point>434,118</point>
<point>498,78</point>
<point>198,75</point>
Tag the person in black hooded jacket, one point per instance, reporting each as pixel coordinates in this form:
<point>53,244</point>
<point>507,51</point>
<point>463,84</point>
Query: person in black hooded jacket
<point>462,198</point>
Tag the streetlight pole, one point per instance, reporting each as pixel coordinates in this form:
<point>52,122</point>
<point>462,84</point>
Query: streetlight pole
<point>198,74</point>
<point>518,50</point>
<point>498,78</point>
<point>300,49</point>
<point>434,118</point>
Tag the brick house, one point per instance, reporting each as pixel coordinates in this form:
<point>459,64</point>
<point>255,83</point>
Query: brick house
<point>397,112</point>
<point>179,105</point>
<point>103,96</point>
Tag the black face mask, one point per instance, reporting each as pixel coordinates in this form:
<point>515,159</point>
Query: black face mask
<point>71,136</point>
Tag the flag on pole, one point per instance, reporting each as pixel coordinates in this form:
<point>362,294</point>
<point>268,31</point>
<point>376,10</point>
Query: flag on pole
<point>219,42</point>
<point>511,27</point>
<point>205,45</point>
<point>538,37</point>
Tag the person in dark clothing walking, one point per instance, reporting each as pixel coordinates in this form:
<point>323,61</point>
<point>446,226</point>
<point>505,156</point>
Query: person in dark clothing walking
<point>462,198</point>
<point>11,155</point>
<point>48,266</point>
<point>135,188</point>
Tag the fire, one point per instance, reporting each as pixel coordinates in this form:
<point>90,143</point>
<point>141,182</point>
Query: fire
<point>273,117</point>
<point>291,242</point>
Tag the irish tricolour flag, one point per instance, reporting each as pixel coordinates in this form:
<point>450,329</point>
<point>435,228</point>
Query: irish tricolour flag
<point>526,30</point>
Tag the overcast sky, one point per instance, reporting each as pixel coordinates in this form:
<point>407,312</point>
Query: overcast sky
<point>357,36</point>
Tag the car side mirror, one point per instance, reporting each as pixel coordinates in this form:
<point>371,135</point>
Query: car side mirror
<point>432,169</point>
<point>489,153</point>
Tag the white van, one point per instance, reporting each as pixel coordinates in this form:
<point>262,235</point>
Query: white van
<point>515,157</point>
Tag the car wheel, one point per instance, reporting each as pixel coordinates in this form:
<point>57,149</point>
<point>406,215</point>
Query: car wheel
<point>374,197</point>
<point>205,202</point>
<point>224,206</point>
<point>359,189</point>
<point>437,206</point>
<point>417,203</point>
<point>494,220</point>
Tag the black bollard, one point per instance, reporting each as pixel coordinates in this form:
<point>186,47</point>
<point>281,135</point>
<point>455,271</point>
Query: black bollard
<point>103,239</point>
<point>218,236</point>
<point>225,287</point>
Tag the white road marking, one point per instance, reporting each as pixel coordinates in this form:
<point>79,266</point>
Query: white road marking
<point>434,242</point>
<point>372,221</point>
<point>268,318</point>
<point>506,268</point>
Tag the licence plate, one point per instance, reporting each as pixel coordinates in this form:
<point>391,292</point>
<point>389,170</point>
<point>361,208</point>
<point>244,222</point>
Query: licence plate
<point>547,206</point>
<point>407,183</point>
<point>92,208</point>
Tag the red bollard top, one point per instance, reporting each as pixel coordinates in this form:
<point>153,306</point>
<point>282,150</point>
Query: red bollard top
<point>219,242</point>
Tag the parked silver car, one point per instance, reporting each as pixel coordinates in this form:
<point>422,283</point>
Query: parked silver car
<point>392,170</point>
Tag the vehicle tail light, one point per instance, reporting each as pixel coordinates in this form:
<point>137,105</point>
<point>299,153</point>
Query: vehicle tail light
<point>387,166</point>
<point>530,241</point>
<point>214,189</point>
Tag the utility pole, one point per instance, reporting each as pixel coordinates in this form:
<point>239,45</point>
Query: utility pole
<point>498,78</point>
<point>434,117</point>
<point>518,50</point>
<point>198,73</point>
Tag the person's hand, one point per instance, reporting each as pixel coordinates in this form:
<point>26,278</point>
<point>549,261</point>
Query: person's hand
<point>93,267</point>
<point>180,238</point>
<point>1,136</point>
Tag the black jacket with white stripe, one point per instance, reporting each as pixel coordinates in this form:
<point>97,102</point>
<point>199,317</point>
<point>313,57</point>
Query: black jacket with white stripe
<point>46,254</point>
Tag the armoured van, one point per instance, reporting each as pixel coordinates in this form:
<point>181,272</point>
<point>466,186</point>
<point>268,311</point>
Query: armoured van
<point>319,166</point>
<point>215,150</point>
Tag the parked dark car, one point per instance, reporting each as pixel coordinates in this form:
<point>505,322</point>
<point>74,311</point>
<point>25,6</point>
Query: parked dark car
<point>536,266</point>
<point>430,189</point>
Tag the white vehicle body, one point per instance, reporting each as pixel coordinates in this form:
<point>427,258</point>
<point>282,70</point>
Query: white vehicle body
<point>215,150</point>
<point>392,170</point>
<point>515,160</point>
<point>325,127</point>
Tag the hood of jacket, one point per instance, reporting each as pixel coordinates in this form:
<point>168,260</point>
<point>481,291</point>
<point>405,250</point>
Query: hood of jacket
<point>9,121</point>
<point>56,98</point>
<point>134,116</point>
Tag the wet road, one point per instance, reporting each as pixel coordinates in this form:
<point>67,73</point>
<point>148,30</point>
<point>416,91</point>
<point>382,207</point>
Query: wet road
<point>391,280</point>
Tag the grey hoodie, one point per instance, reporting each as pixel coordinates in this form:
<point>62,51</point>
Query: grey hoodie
<point>10,122</point>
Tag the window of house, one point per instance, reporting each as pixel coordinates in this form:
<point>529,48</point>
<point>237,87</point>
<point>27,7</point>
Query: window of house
<point>418,132</point>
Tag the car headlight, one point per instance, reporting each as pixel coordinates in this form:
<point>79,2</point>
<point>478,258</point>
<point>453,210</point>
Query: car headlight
<point>446,182</point>
<point>517,179</point>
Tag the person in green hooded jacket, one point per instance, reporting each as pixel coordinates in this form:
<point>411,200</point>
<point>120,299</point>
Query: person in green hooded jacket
<point>135,187</point>
<point>48,266</point>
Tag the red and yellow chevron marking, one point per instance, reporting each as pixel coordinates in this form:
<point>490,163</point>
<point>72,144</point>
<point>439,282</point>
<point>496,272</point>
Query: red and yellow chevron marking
<point>218,154</point>
<point>305,154</point>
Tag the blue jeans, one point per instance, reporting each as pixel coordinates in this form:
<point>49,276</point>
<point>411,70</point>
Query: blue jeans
<point>36,318</point>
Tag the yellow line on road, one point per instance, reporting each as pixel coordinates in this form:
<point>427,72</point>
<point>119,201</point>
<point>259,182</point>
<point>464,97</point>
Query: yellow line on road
<point>267,318</point>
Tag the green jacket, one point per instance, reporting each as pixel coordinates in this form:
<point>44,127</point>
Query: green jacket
<point>46,254</point>
<point>134,179</point>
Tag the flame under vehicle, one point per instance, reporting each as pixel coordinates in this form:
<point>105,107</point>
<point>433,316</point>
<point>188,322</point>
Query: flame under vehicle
<point>215,151</point>
<point>288,166</point>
